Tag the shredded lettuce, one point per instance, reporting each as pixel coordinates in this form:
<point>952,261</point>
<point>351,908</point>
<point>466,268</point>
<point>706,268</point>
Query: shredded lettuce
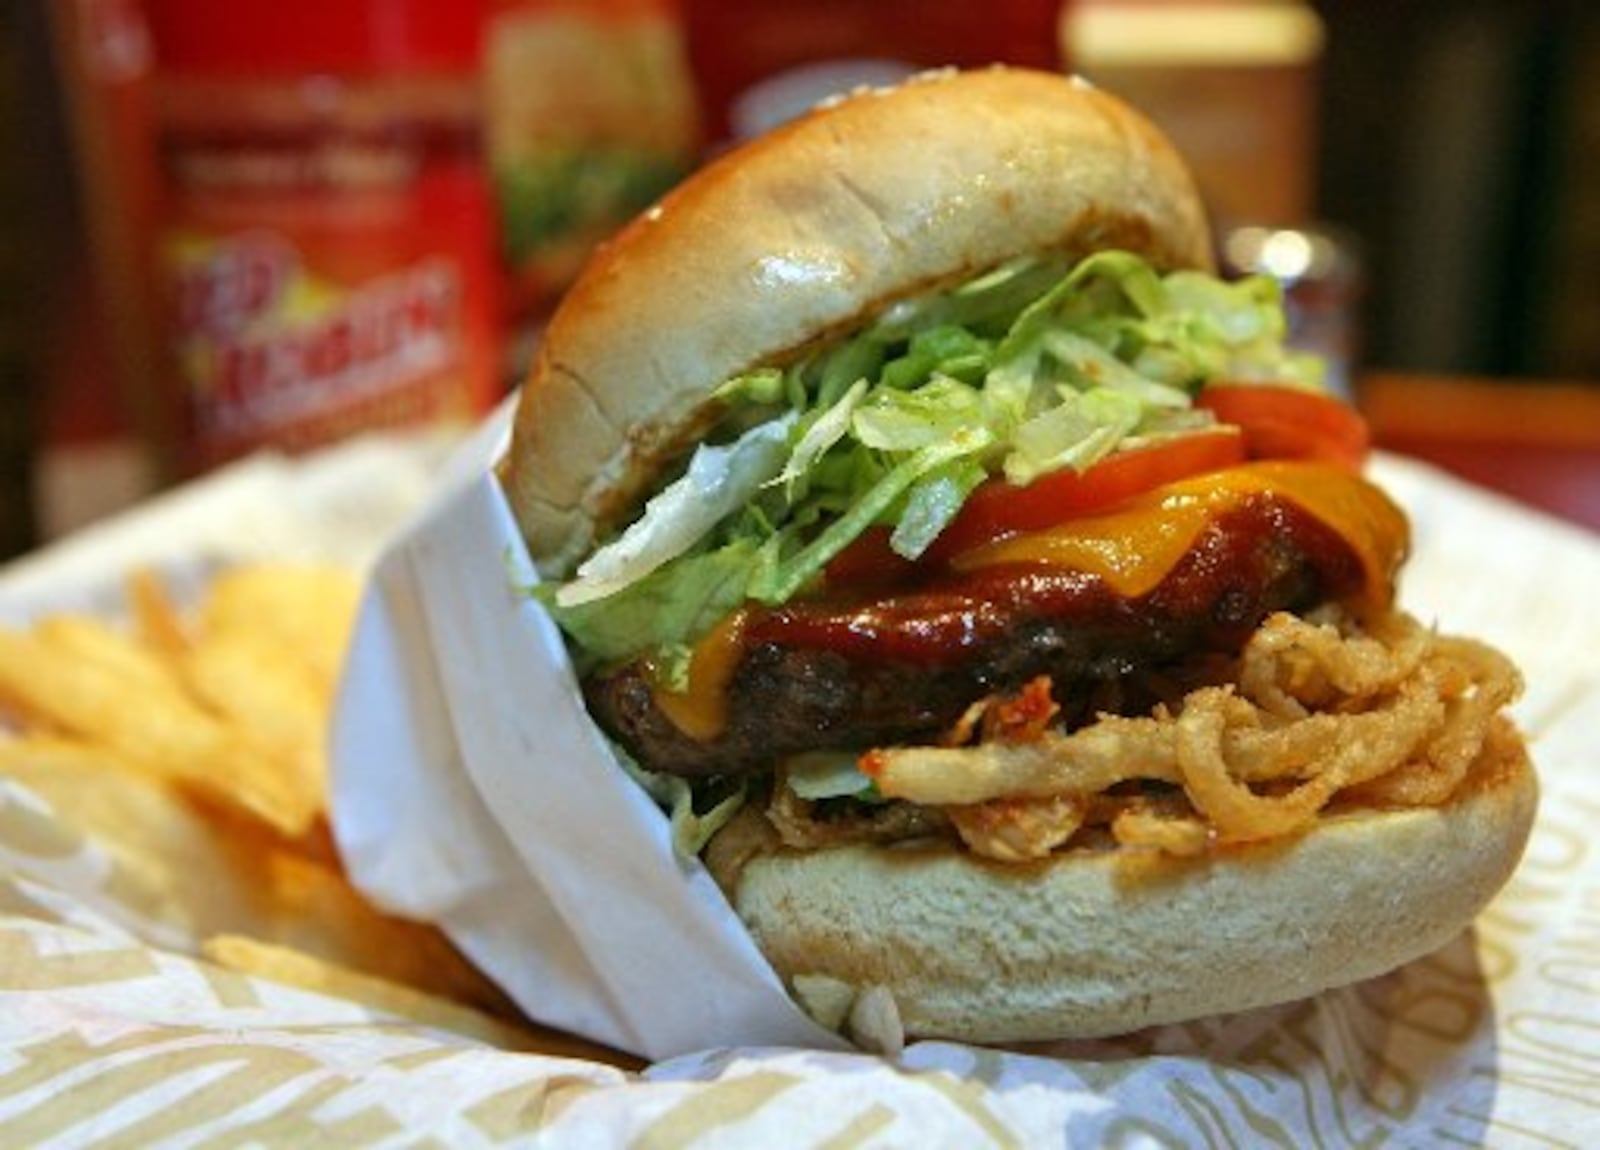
<point>718,482</point>
<point>823,430</point>
<point>1078,432</point>
<point>1027,369</point>
<point>669,608</point>
<point>903,421</point>
<point>828,775</point>
<point>692,828</point>
<point>783,581</point>
<point>932,502</point>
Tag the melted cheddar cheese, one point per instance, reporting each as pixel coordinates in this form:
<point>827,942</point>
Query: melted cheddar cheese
<point>700,710</point>
<point>1131,548</point>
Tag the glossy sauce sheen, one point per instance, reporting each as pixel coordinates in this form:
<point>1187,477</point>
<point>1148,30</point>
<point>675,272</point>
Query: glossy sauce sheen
<point>1134,546</point>
<point>1167,553</point>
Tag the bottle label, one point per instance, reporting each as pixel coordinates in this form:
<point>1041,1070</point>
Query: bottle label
<point>273,354</point>
<point>319,287</point>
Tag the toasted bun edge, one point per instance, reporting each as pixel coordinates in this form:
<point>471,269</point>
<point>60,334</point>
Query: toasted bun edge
<point>1088,945</point>
<point>803,233</point>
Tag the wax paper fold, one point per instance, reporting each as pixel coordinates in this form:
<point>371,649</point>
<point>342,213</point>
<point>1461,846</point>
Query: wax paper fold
<point>472,789</point>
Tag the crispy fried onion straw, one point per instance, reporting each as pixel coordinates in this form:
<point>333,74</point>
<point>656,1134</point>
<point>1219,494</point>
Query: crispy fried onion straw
<point>1391,715</point>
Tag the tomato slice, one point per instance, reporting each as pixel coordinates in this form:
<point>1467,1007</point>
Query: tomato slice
<point>1287,423</point>
<point>998,508</point>
<point>869,560</point>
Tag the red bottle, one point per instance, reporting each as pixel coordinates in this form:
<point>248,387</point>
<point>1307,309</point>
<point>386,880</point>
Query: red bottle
<point>326,253</point>
<point>756,65</point>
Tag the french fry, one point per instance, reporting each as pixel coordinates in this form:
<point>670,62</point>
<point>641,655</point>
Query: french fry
<point>244,678</point>
<point>157,621</point>
<point>304,611</point>
<point>191,872</point>
<point>51,755</point>
<point>266,656</point>
<point>190,748</point>
<point>78,676</point>
<point>96,642</point>
<point>315,909</point>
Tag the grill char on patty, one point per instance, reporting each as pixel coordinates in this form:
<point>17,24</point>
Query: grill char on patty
<point>852,673</point>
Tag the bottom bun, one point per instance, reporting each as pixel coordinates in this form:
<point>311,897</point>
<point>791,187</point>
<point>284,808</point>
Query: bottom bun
<point>1093,943</point>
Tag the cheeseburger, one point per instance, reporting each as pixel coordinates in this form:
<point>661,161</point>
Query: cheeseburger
<point>995,601</point>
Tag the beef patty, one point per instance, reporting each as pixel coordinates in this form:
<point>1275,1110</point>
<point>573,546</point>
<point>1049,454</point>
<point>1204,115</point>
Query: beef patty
<point>854,673</point>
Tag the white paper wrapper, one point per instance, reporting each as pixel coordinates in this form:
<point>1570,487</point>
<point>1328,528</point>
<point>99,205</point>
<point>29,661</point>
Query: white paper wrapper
<point>471,789</point>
